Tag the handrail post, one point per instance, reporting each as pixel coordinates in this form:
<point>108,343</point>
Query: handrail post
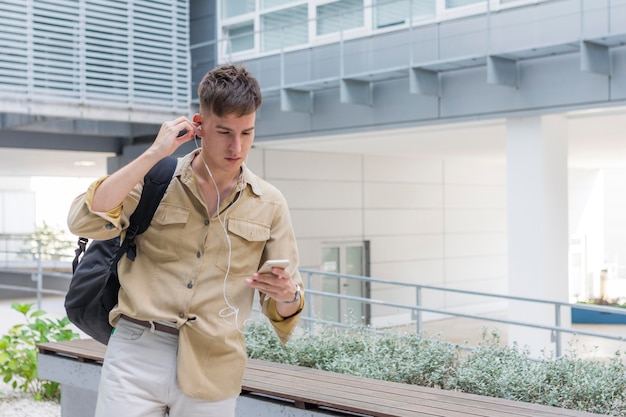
<point>308,299</point>
<point>557,323</point>
<point>39,274</point>
<point>418,313</point>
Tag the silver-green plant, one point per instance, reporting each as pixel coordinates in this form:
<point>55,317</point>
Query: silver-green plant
<point>491,369</point>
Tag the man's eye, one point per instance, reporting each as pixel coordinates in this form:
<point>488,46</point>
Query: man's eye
<point>223,132</point>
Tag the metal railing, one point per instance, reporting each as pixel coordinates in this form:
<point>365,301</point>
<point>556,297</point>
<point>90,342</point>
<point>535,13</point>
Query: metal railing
<point>22,256</point>
<point>558,328</point>
<point>15,260</point>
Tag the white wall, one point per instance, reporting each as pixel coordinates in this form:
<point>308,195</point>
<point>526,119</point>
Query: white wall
<point>17,206</point>
<point>586,230</point>
<point>615,231</point>
<point>431,222</point>
<point>437,222</point>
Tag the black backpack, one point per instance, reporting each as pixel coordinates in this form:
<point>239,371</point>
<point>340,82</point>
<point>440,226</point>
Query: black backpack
<point>94,287</point>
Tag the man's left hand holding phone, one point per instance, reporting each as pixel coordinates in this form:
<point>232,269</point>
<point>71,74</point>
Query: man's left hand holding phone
<point>274,280</point>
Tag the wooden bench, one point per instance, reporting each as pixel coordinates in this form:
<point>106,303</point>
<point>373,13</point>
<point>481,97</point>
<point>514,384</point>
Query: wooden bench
<point>277,389</point>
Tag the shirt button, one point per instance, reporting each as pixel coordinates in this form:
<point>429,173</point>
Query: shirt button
<point>198,254</point>
<point>206,222</point>
<point>181,315</point>
<point>190,285</point>
<point>108,226</point>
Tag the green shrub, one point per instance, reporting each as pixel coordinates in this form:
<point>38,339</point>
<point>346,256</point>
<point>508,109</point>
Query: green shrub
<point>18,351</point>
<point>491,370</point>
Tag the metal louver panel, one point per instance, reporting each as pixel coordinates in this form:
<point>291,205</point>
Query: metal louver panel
<point>99,53</point>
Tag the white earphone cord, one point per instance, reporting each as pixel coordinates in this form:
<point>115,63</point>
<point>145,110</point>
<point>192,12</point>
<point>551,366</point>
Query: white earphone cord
<point>230,310</point>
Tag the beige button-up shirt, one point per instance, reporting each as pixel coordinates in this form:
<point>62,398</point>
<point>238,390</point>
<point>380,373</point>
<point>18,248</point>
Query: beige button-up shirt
<point>190,270</point>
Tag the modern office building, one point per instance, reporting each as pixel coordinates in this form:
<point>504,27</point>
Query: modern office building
<point>470,144</point>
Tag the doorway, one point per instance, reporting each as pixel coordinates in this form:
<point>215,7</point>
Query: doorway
<point>346,258</point>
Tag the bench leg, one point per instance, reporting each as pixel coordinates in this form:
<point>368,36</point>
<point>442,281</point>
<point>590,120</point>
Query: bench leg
<point>77,402</point>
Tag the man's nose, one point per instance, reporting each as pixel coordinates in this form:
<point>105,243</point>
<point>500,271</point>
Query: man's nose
<point>235,145</point>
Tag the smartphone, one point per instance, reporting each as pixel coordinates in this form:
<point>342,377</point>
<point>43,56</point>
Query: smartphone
<point>269,264</point>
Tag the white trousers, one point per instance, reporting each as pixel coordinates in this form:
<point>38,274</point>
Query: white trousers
<point>139,378</point>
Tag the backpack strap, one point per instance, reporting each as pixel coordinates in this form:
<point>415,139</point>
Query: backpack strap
<point>156,182</point>
<point>82,247</point>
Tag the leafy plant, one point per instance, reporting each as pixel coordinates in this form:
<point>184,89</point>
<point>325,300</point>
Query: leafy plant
<point>18,351</point>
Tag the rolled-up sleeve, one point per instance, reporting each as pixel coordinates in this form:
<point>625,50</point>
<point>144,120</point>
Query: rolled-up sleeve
<point>283,326</point>
<point>83,221</point>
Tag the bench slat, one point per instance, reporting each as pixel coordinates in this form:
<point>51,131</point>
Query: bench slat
<point>371,396</point>
<point>83,350</point>
<point>293,377</point>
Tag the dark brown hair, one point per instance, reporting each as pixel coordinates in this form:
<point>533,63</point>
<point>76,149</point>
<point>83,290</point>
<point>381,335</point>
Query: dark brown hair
<point>227,90</point>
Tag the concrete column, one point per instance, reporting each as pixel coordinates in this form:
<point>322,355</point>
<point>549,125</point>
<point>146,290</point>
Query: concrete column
<point>537,224</point>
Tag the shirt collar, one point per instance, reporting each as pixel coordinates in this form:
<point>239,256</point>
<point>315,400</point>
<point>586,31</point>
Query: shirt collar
<point>248,178</point>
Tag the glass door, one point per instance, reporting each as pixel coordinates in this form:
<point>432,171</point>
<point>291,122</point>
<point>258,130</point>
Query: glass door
<point>349,259</point>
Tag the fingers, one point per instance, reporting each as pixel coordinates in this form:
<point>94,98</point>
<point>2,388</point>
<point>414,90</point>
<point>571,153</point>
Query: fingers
<point>179,129</point>
<point>174,133</point>
<point>277,285</point>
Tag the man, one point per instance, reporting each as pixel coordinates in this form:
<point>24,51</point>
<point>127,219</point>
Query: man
<point>178,342</point>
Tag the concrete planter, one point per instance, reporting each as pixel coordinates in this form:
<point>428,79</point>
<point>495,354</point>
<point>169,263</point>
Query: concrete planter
<point>583,316</point>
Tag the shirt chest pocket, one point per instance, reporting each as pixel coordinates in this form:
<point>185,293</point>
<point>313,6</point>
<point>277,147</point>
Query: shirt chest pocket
<point>247,242</point>
<point>163,239</point>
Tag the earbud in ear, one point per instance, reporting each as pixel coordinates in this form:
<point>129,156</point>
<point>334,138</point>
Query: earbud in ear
<point>200,127</point>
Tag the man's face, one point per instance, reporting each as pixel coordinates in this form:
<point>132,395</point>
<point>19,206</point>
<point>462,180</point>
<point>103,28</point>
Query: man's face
<point>226,141</point>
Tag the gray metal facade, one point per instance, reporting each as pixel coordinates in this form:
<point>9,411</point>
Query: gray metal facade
<point>103,75</point>
<point>542,58</point>
<point>89,74</point>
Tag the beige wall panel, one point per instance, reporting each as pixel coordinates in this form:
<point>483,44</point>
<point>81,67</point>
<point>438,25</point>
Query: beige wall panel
<point>427,272</point>
<point>474,172</point>
<point>475,244</point>
<point>312,166</point>
<point>461,270</point>
<point>402,169</point>
<point>327,224</point>
<point>475,196</point>
<point>391,195</point>
<point>493,286</point>
<point>402,222</point>
<point>475,220</point>
<point>310,253</point>
<point>321,194</point>
<point>255,161</point>
<point>406,248</point>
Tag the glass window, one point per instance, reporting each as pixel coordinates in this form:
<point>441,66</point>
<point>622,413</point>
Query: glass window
<point>423,8</point>
<point>240,38</point>
<point>266,4</point>
<point>232,8</point>
<point>458,3</point>
<point>390,12</point>
<point>394,12</point>
<point>285,28</point>
<point>339,15</point>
